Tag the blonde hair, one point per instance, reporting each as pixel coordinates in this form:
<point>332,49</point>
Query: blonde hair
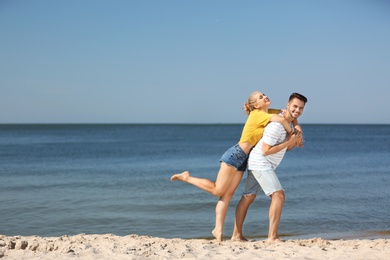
<point>250,104</point>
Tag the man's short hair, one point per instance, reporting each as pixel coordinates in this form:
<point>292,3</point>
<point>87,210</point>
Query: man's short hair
<point>298,96</point>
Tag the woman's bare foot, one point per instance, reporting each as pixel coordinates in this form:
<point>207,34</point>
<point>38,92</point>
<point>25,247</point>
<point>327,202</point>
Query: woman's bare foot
<point>180,176</point>
<point>238,239</point>
<point>217,235</point>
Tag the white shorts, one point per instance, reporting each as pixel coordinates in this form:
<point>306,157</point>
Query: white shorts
<point>268,181</point>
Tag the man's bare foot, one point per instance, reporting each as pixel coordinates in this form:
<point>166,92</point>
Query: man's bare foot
<point>217,235</point>
<point>238,239</point>
<point>275,240</point>
<point>180,176</point>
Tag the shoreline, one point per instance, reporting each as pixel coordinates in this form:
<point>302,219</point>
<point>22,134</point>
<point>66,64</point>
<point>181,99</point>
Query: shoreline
<point>109,246</point>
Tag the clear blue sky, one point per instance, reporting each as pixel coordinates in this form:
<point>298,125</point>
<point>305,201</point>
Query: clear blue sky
<point>187,61</point>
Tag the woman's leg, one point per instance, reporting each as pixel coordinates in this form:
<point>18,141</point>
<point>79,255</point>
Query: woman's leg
<point>217,188</point>
<point>223,205</point>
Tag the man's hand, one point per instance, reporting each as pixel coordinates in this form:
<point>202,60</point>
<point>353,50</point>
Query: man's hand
<point>300,139</point>
<point>300,142</point>
<point>295,139</point>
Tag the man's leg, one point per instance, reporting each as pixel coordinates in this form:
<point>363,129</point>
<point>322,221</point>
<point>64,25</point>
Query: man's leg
<point>241,210</point>
<point>275,213</point>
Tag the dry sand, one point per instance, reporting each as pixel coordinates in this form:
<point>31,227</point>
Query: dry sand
<point>143,247</point>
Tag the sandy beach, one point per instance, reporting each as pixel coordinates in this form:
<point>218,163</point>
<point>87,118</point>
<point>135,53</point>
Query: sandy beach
<point>143,247</point>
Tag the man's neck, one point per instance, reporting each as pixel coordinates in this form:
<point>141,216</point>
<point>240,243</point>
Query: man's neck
<point>287,116</point>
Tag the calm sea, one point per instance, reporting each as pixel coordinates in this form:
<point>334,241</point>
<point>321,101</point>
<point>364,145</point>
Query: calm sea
<point>98,179</point>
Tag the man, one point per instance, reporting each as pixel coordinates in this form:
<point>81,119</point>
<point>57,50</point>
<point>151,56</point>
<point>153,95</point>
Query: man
<point>263,160</point>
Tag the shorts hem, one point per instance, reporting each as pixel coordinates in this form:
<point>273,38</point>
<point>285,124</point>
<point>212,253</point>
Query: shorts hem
<point>270,193</point>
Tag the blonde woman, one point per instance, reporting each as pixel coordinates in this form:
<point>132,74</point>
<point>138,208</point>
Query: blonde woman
<point>234,160</point>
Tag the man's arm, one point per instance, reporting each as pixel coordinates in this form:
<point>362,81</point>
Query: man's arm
<point>289,144</point>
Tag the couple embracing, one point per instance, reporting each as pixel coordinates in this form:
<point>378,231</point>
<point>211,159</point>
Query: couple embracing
<point>264,140</point>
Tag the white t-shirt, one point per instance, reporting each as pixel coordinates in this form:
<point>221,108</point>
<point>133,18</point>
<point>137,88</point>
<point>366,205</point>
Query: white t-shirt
<point>274,133</point>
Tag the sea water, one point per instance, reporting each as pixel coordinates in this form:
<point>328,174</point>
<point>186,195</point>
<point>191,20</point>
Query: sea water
<point>99,179</point>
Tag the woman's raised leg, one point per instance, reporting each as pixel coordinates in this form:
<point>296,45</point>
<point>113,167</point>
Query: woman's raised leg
<point>217,188</point>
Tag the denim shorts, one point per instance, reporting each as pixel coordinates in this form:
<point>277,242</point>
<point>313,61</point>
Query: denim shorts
<point>266,180</point>
<point>235,157</point>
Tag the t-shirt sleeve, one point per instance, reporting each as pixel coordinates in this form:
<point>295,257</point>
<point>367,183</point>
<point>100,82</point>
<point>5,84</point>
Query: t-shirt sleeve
<point>272,133</point>
<point>254,126</point>
<point>264,118</point>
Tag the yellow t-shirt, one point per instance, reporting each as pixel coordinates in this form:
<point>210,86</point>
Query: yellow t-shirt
<point>254,126</point>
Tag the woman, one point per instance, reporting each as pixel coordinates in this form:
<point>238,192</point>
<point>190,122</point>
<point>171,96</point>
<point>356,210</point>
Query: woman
<point>234,160</point>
